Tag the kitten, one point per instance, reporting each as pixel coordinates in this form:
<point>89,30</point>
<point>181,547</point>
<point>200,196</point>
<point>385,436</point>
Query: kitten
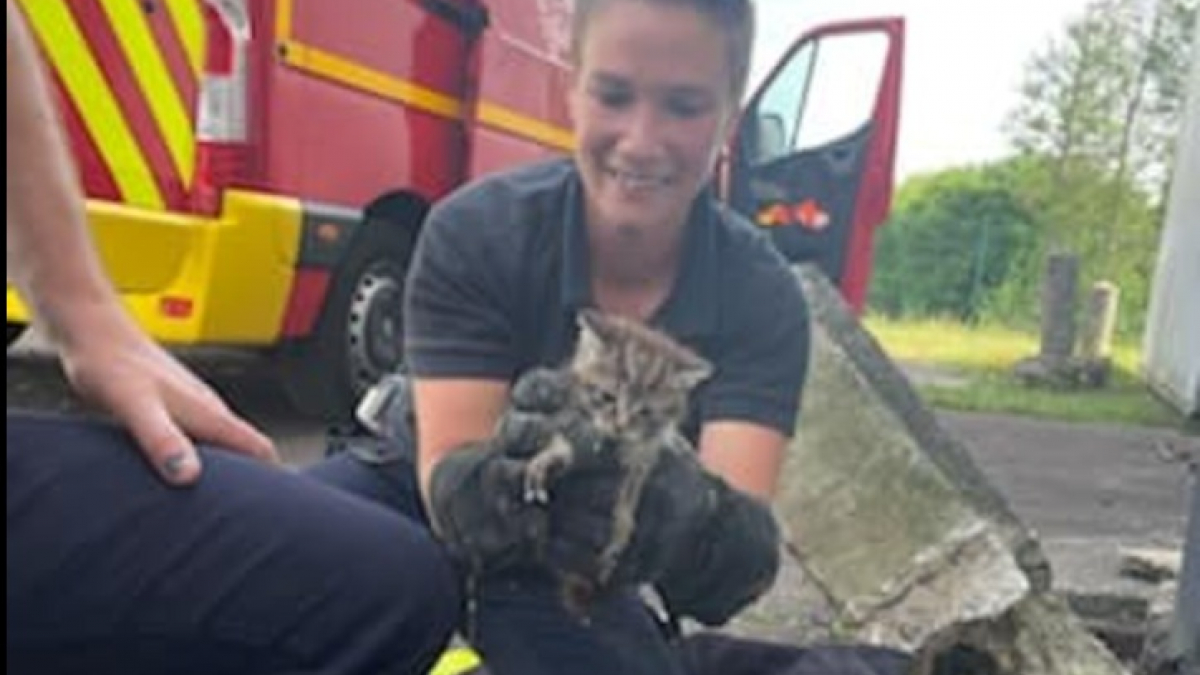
<point>629,384</point>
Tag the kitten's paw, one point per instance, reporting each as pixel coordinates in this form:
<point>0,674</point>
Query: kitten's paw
<point>537,476</point>
<point>535,494</point>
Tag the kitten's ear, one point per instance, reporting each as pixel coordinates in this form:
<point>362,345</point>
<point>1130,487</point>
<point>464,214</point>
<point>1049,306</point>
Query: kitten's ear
<point>591,337</point>
<point>593,322</point>
<point>693,373</point>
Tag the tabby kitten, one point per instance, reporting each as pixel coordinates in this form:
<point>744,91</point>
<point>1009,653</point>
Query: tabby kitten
<point>630,386</point>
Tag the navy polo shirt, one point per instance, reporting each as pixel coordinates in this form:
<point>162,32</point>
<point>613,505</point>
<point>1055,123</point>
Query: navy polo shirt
<point>501,270</point>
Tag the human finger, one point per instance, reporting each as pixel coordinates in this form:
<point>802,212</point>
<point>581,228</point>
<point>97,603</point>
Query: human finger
<point>210,421</point>
<point>169,451</point>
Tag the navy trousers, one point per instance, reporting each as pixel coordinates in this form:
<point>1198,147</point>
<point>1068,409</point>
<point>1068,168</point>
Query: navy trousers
<point>521,627</point>
<point>253,570</point>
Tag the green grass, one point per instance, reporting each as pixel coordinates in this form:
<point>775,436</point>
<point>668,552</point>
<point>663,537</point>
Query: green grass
<point>981,359</point>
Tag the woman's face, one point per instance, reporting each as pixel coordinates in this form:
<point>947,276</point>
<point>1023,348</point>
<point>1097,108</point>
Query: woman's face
<point>650,103</point>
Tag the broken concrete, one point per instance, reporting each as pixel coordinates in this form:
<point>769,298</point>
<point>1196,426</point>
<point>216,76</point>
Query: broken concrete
<point>896,538</point>
<point>1153,565</point>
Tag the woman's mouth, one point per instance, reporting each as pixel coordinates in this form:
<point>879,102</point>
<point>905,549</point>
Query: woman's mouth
<point>635,181</point>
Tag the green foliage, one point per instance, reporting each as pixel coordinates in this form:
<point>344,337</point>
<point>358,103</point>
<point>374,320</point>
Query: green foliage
<point>953,239</point>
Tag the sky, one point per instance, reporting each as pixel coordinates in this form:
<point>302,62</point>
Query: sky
<point>963,65</point>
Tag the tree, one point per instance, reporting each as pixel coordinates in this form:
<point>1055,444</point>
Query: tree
<point>1166,88</point>
<point>1098,112</point>
<point>953,239</point>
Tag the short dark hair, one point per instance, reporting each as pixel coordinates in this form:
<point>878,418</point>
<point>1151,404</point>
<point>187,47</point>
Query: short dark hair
<point>734,17</point>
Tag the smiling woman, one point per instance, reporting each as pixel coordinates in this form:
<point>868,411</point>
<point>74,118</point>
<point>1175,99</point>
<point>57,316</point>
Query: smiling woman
<point>628,226</point>
<point>651,103</point>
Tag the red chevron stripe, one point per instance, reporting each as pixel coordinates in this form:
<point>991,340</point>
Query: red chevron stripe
<point>93,23</point>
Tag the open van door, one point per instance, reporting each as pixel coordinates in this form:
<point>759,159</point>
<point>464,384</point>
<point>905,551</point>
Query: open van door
<point>812,159</point>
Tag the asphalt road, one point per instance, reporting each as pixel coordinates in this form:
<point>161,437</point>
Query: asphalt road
<point>1086,489</point>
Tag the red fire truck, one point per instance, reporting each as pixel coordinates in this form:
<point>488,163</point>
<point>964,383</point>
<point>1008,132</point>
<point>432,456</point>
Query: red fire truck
<point>257,171</point>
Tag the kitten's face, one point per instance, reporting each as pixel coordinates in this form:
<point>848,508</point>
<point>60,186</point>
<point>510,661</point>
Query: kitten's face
<point>634,381</point>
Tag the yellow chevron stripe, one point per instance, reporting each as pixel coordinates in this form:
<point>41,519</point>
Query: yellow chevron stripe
<point>346,71</point>
<point>519,124</point>
<point>64,46</point>
<point>155,81</point>
<point>189,25</point>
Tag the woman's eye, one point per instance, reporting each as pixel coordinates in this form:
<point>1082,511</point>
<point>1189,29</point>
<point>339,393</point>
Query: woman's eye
<point>612,99</point>
<point>686,108</point>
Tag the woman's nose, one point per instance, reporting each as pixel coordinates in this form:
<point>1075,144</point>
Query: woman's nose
<point>642,132</point>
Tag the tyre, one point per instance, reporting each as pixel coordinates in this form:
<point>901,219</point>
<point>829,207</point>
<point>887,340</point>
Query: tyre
<point>359,335</point>
<point>15,331</point>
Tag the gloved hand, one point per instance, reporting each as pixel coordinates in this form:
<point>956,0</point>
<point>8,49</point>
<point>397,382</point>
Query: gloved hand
<point>478,505</point>
<point>675,501</point>
<point>724,563</point>
<point>708,548</point>
<point>478,508</point>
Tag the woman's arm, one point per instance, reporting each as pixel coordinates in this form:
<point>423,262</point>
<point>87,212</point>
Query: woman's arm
<point>450,413</point>
<point>747,455</point>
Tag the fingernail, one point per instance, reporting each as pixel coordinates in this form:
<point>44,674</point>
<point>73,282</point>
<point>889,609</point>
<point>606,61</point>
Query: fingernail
<point>174,465</point>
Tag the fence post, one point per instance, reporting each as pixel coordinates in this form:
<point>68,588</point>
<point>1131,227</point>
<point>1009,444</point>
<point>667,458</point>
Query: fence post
<point>1058,310</point>
<point>1095,343</point>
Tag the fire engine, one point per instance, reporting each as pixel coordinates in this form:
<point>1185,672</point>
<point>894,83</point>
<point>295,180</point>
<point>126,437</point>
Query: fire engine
<point>257,171</point>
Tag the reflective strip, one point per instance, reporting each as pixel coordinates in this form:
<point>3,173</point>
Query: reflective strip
<point>64,46</point>
<point>283,22</point>
<point>154,79</point>
<point>507,119</point>
<point>340,69</point>
<point>189,26</point>
<point>346,71</point>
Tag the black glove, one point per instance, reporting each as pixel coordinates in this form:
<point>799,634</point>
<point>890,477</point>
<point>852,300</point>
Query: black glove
<point>478,508</point>
<point>708,548</point>
<point>478,505</point>
<point>725,563</point>
<point>675,502</point>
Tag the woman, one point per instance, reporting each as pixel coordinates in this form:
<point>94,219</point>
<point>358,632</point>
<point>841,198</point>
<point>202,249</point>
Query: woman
<point>626,226</point>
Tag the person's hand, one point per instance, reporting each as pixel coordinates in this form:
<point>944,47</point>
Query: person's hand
<point>162,404</point>
<point>709,549</point>
<point>727,562</point>
<point>480,506</point>
<point>479,511</point>
<point>675,501</point>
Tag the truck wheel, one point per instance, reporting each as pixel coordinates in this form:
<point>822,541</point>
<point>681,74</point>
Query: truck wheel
<point>359,335</point>
<point>15,331</point>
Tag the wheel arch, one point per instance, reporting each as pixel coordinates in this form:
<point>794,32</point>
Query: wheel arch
<point>401,211</point>
<point>355,252</point>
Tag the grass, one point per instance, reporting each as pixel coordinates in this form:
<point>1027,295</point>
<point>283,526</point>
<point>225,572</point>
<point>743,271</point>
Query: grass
<point>980,360</point>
